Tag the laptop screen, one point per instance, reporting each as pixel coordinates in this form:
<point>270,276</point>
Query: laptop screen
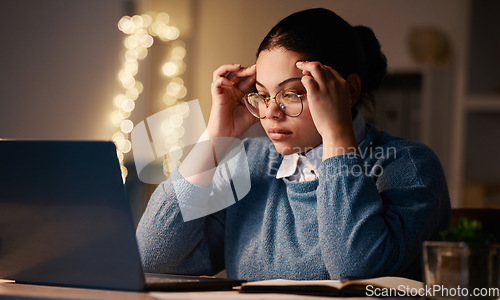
<point>64,216</point>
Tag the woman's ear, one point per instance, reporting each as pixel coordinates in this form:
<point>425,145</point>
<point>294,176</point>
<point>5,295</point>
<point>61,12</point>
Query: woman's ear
<point>354,87</point>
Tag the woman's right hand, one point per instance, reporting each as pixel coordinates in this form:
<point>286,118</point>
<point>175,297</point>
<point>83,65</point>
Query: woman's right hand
<point>229,117</point>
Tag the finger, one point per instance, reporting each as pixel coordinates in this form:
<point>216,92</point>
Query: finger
<point>224,69</point>
<point>246,83</point>
<point>309,84</point>
<point>243,72</point>
<point>222,82</point>
<point>317,71</point>
<point>308,80</point>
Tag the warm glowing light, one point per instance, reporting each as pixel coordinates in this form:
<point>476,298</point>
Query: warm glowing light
<point>171,33</point>
<point>138,21</point>
<point>170,69</point>
<point>129,82</point>
<point>140,31</point>
<point>119,100</point>
<point>169,100</point>
<point>139,86</point>
<point>126,25</point>
<point>176,88</point>
<point>124,171</point>
<point>162,18</point>
<point>173,88</point>
<point>117,117</point>
<point>182,109</point>
<point>147,20</point>
<point>128,105</point>
<point>127,126</point>
<point>133,93</point>
<point>131,42</point>
<point>118,137</point>
<point>182,67</point>
<point>146,41</point>
<point>120,156</point>
<point>141,52</point>
<point>131,67</point>
<point>123,75</point>
<point>178,80</point>
<point>182,93</point>
<point>176,121</point>
<point>131,55</point>
<point>178,53</point>
<point>124,146</point>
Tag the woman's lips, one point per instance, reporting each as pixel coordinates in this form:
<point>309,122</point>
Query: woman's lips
<point>277,134</point>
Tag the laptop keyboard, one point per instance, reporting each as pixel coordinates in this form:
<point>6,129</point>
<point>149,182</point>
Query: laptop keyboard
<point>152,278</point>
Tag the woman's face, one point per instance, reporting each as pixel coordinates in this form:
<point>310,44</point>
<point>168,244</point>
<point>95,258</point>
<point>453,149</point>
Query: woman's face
<point>276,71</point>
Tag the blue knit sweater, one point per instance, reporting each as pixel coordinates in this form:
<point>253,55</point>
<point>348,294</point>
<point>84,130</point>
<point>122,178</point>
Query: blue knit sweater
<point>365,216</point>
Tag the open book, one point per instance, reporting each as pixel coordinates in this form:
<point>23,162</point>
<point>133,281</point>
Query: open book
<point>378,287</point>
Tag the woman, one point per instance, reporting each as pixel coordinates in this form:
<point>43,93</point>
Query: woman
<point>331,196</point>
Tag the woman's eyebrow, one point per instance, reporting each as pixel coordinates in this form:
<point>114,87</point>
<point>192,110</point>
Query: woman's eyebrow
<point>281,83</point>
<point>289,80</point>
<point>259,84</point>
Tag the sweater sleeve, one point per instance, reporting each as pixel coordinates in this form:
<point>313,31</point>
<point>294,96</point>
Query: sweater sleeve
<point>372,226</point>
<point>168,244</point>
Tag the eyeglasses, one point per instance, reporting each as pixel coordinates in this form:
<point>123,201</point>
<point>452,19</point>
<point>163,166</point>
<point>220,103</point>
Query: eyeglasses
<point>288,102</point>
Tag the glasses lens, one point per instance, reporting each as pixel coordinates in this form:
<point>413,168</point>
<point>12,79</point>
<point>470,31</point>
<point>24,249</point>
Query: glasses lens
<point>289,103</point>
<point>255,104</point>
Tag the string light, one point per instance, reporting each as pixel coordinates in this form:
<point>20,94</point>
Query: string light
<point>141,31</point>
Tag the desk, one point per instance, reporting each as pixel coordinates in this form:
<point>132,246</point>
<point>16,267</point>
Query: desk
<point>28,291</point>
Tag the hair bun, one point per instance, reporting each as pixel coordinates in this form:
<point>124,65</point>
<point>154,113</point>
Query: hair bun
<point>375,61</point>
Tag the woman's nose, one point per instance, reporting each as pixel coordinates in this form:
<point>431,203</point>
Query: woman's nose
<point>273,112</point>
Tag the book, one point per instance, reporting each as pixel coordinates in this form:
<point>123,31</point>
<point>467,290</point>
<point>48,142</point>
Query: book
<point>378,287</point>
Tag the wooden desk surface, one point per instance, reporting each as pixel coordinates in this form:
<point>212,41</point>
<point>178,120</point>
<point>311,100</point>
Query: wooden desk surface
<point>28,291</point>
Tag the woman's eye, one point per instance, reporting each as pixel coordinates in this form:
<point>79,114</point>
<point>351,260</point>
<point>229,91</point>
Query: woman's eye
<point>289,94</point>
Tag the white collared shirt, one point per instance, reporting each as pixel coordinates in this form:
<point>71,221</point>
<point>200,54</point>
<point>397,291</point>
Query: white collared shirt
<point>300,167</point>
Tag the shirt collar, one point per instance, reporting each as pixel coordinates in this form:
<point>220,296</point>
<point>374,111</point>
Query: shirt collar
<point>288,166</point>
<point>293,165</point>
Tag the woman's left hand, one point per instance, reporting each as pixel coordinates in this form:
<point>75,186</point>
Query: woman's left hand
<point>329,100</point>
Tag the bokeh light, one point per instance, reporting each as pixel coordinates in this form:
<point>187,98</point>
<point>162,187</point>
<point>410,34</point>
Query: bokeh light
<point>141,31</point>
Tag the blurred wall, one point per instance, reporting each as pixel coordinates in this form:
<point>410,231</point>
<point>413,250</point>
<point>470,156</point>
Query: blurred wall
<point>59,58</point>
<point>58,65</point>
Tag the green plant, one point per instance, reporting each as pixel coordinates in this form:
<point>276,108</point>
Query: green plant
<point>470,232</point>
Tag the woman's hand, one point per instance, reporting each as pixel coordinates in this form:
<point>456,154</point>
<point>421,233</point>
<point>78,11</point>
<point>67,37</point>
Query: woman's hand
<point>229,117</point>
<point>329,99</point>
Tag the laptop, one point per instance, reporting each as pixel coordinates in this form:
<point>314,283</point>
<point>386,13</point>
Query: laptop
<point>65,220</point>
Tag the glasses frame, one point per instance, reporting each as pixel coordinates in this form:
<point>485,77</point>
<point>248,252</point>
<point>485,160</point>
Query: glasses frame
<point>267,100</point>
